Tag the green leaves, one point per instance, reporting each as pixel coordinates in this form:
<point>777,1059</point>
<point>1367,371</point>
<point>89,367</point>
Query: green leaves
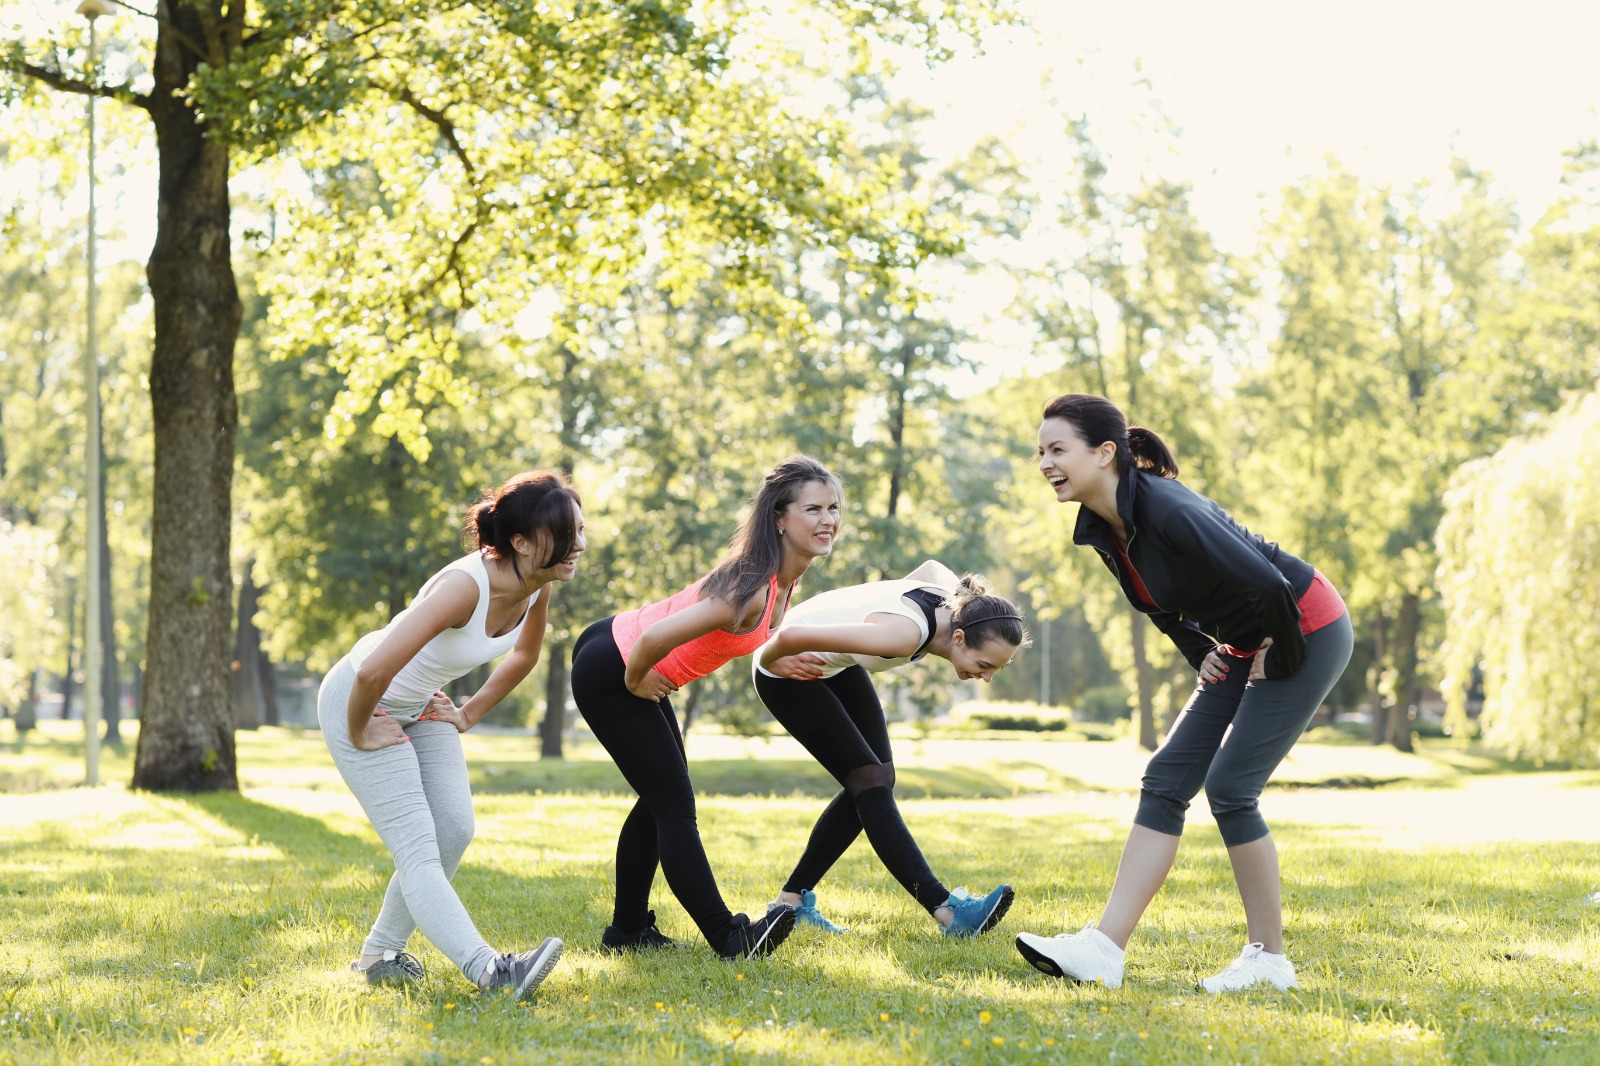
<point>1520,579</point>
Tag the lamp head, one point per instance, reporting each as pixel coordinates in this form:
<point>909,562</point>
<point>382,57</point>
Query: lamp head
<point>93,9</point>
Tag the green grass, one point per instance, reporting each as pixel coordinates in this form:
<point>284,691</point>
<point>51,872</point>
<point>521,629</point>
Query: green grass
<point>215,929</point>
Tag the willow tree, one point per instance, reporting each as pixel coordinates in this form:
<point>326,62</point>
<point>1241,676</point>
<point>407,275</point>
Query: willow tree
<point>524,143</point>
<point>1519,608</point>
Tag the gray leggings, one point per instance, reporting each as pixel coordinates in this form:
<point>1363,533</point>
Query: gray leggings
<point>1233,733</point>
<point>418,799</point>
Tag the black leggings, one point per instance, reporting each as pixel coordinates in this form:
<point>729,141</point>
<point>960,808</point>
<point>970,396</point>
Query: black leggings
<point>840,721</point>
<point>643,740</point>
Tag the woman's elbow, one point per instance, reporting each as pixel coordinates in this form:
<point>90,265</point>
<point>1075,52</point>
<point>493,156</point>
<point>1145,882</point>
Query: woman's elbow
<point>368,677</point>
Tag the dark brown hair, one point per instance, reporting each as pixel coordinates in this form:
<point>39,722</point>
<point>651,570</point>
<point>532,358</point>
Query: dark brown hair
<point>756,551</point>
<point>991,617</point>
<point>531,502</point>
<point>1098,420</point>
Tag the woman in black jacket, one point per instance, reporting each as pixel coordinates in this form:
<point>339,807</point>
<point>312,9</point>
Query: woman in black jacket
<point>1268,636</point>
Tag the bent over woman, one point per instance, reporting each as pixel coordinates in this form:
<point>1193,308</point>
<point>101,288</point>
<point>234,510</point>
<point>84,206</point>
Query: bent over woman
<point>395,737</point>
<point>814,676</point>
<point>625,669</point>
<point>1268,636</point>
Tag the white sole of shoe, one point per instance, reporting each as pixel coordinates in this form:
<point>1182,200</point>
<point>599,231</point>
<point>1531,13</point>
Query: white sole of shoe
<point>1045,964</point>
<point>1260,982</point>
<point>545,961</point>
<point>1038,959</point>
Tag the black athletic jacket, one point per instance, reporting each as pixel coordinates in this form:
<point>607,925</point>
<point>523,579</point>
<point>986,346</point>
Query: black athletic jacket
<point>1213,581</point>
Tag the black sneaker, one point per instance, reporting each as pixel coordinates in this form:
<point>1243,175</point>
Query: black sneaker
<point>395,968</point>
<point>618,941</point>
<point>523,971</point>
<point>748,939</point>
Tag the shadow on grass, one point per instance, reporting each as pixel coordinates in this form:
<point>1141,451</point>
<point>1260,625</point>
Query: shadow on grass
<point>14,781</point>
<point>308,839</point>
<point>772,777</point>
<point>1358,781</point>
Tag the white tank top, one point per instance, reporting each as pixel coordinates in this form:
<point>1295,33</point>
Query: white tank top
<point>852,605</point>
<point>448,655</point>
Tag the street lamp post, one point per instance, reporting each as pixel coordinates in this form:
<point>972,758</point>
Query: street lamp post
<point>93,650</point>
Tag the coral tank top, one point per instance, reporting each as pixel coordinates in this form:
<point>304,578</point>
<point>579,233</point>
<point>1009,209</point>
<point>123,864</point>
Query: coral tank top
<point>703,654</point>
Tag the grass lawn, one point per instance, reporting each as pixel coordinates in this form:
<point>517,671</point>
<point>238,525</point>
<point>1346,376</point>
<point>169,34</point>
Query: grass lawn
<point>1437,910</point>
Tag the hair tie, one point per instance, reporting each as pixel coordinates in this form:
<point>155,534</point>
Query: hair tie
<point>988,618</point>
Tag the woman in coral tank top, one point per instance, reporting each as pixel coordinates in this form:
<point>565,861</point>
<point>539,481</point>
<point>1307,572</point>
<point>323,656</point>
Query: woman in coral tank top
<point>625,669</point>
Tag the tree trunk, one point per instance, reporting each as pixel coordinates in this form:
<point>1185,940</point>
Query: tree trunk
<point>110,687</point>
<point>889,556</point>
<point>689,705</point>
<point>1380,655</point>
<point>1145,680</point>
<point>186,736</point>
<point>555,702</point>
<point>268,676</point>
<point>28,711</point>
<point>1407,630</point>
<point>248,702</point>
<point>67,681</point>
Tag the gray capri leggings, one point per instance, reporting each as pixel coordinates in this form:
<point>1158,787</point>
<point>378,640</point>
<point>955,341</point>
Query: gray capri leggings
<point>1233,733</point>
<point>420,802</point>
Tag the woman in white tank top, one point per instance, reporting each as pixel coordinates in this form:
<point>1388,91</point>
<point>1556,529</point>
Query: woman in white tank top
<point>813,675</point>
<point>395,735</point>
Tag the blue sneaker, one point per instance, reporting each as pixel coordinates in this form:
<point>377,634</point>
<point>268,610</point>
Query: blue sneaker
<point>807,912</point>
<point>977,914</point>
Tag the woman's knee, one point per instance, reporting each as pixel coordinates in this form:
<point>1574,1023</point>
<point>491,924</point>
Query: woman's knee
<point>877,775</point>
<point>1161,811</point>
<point>671,803</point>
<point>1171,774</point>
<point>454,836</point>
<point>1234,804</point>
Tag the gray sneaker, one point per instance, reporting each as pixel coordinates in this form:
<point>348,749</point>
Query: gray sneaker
<point>523,971</point>
<point>395,968</point>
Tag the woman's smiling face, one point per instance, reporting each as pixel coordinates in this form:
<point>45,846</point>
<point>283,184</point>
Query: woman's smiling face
<point>1068,462</point>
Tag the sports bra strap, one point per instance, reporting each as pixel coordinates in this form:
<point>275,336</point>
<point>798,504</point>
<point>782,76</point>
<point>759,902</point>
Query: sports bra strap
<point>929,602</point>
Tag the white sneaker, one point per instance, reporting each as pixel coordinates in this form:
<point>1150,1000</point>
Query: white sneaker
<point>1087,955</point>
<point>1253,966</point>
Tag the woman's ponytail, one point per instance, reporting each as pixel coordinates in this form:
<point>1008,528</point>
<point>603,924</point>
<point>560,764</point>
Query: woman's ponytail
<point>1098,420</point>
<point>541,505</point>
<point>1150,452</point>
<point>982,616</point>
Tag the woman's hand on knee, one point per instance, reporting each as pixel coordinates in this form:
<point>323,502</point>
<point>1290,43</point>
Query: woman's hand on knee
<point>381,732</point>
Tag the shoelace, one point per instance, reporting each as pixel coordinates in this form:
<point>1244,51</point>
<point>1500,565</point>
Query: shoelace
<point>410,964</point>
<point>1072,936</point>
<point>1251,953</point>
